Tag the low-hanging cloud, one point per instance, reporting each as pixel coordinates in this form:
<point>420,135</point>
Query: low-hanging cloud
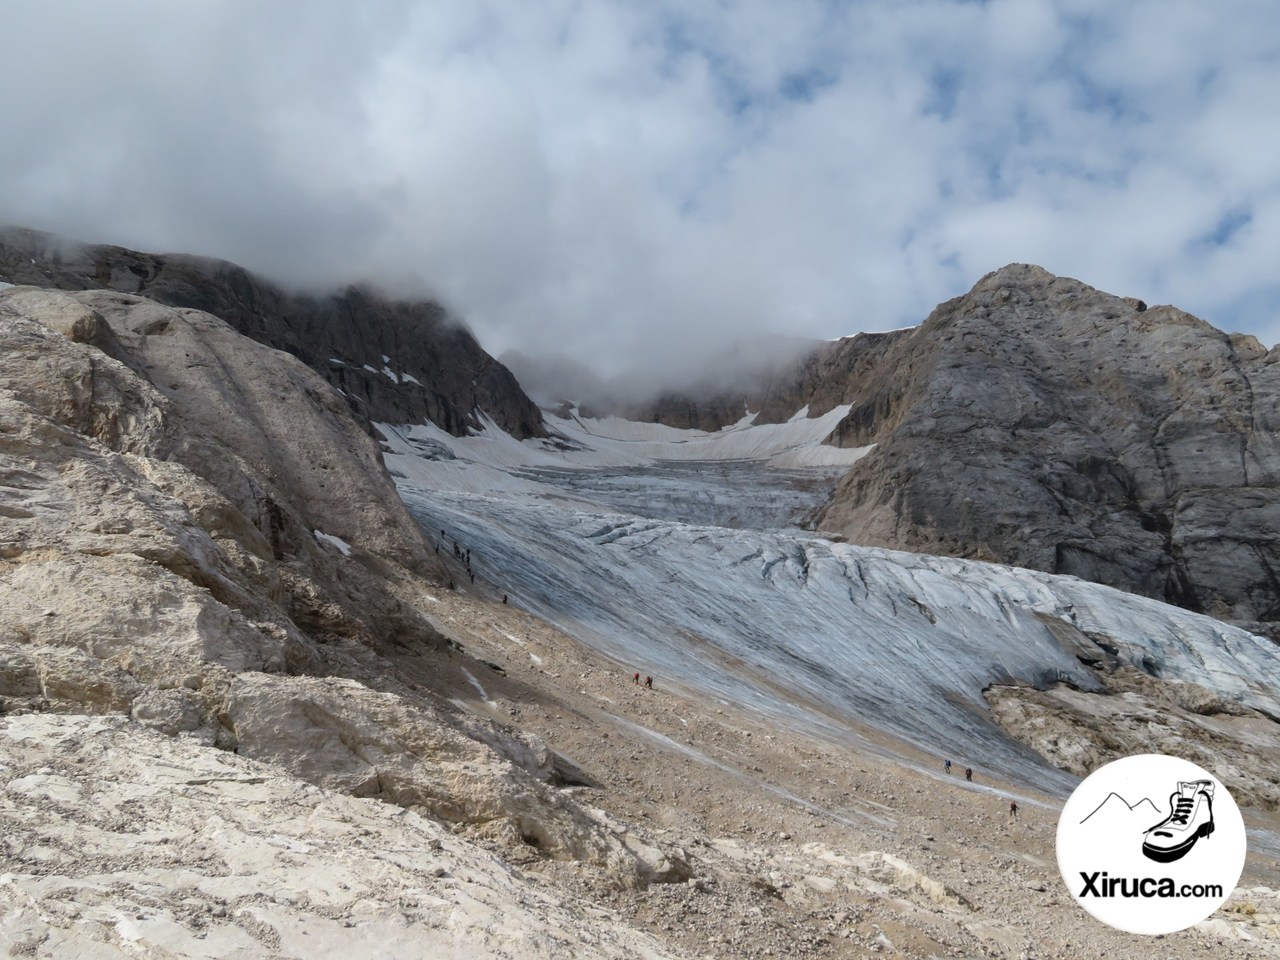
<point>642,183</point>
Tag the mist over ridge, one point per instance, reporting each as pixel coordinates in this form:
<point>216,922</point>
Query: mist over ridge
<point>635,185</point>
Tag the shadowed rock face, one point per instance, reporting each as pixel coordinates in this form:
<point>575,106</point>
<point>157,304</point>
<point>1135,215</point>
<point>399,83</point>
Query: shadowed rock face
<point>361,343</point>
<point>1039,422</point>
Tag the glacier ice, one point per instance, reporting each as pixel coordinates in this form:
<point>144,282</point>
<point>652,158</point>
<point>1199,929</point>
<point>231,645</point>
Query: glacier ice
<point>821,635</point>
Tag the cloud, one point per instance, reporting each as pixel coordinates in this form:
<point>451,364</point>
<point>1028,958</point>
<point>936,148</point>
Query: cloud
<point>642,183</point>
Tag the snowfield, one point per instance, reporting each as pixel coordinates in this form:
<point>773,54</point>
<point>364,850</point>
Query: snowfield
<point>814,634</point>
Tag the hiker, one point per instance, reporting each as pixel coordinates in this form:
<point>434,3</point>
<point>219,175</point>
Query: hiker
<point>648,682</point>
<point>473,576</point>
<point>968,774</point>
<point>636,679</point>
<point>504,599</point>
<point>452,585</point>
<point>1013,809</point>
<point>948,765</point>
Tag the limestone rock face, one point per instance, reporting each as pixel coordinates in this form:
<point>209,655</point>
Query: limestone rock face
<point>1040,422</point>
<point>203,453</point>
<point>395,362</point>
<point>170,496</point>
<point>339,734</point>
<point>153,543</point>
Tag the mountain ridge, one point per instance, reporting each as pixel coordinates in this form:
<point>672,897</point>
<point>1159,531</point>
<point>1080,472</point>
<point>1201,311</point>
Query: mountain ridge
<point>394,360</point>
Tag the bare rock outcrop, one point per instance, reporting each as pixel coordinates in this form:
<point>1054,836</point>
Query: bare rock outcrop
<point>171,493</point>
<point>1081,731</point>
<point>1040,422</point>
<point>206,455</point>
<point>394,361</point>
<point>341,735</point>
<point>185,851</point>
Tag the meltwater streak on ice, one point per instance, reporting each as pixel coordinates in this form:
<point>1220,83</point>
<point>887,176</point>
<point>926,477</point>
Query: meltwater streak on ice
<point>815,634</point>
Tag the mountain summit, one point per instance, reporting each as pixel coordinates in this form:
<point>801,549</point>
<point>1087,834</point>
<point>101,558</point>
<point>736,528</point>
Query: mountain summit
<point>1043,423</point>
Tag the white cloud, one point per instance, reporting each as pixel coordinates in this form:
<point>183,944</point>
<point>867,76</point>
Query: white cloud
<point>638,182</point>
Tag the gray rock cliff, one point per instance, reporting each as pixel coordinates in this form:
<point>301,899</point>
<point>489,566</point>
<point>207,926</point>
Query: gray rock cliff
<point>1039,422</point>
<point>395,361</point>
<point>849,370</point>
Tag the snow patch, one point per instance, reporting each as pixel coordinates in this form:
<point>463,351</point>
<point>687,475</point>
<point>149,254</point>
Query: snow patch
<point>343,547</point>
<point>585,443</point>
<point>479,688</point>
<point>874,333</point>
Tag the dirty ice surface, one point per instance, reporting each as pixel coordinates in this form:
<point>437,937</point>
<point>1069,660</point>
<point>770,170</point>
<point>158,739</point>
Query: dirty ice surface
<point>811,633</point>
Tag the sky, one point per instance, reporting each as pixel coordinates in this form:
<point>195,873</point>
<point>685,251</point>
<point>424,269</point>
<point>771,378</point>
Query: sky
<point>638,183</point>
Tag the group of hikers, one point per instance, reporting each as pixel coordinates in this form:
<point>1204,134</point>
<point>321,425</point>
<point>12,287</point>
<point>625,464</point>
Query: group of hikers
<point>463,556</point>
<point>968,775</point>
<point>460,554</point>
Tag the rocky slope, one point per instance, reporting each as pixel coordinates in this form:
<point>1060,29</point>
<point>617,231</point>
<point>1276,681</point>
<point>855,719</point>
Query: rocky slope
<point>197,535</point>
<point>395,361</point>
<point>123,843</point>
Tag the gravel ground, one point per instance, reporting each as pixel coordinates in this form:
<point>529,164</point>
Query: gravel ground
<point>802,847</point>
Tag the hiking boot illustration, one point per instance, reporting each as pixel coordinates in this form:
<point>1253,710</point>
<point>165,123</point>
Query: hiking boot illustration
<point>1190,818</point>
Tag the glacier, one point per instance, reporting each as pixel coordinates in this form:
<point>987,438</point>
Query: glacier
<point>689,568</point>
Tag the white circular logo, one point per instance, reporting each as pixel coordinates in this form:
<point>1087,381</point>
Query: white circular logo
<point>1151,844</point>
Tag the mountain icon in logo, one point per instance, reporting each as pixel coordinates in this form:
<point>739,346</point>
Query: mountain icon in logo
<point>1116,810</point>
